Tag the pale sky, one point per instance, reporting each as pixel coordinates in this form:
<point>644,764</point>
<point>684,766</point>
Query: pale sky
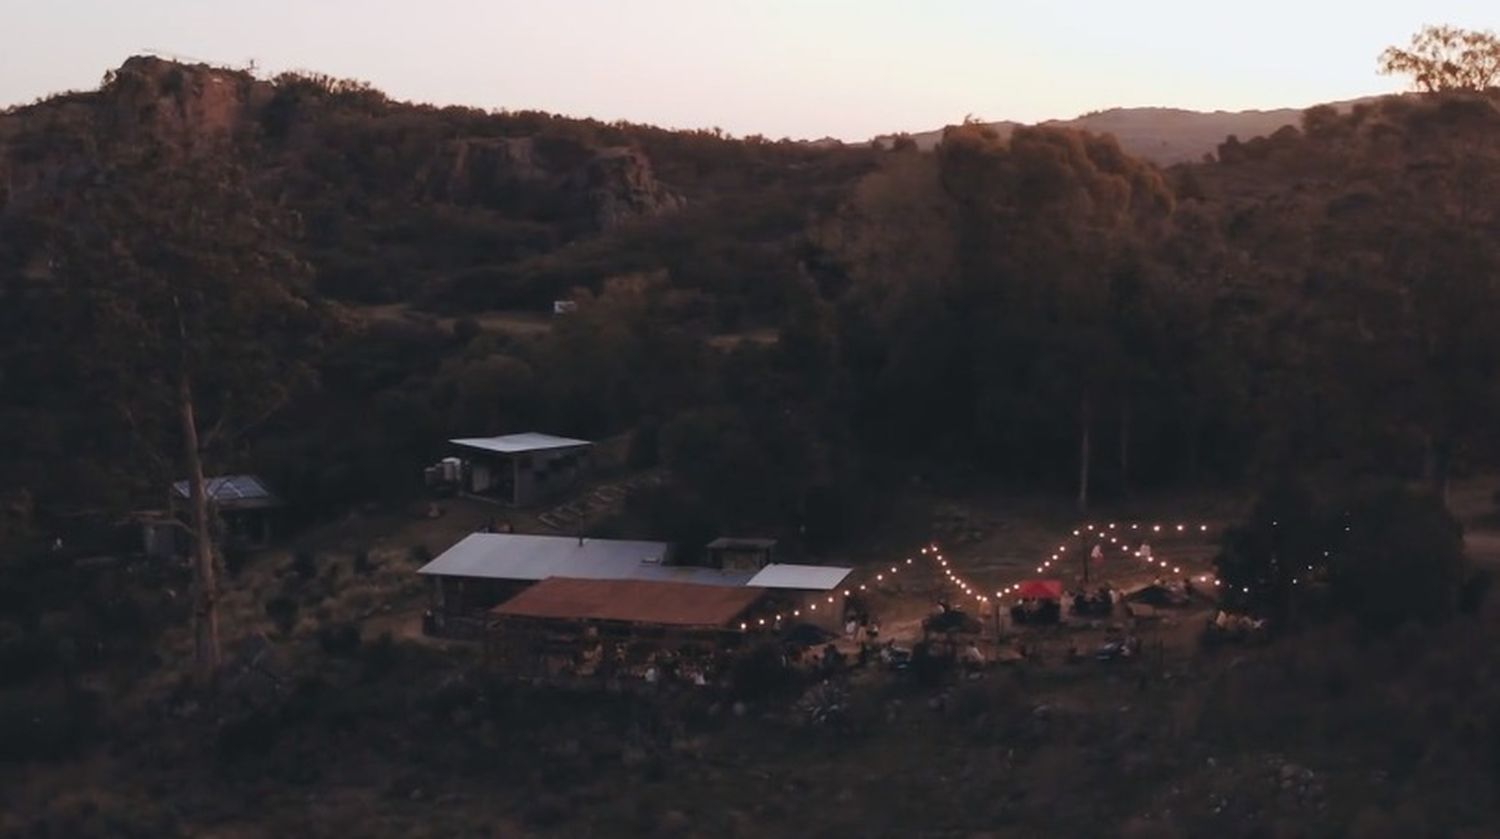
<point>799,68</point>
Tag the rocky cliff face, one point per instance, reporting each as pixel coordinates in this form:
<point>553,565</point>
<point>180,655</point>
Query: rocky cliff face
<point>191,106</point>
<point>194,108</point>
<point>610,185</point>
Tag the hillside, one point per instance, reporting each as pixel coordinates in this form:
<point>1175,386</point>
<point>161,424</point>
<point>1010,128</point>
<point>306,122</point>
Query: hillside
<point>404,201</point>
<point>1025,332</point>
<point>1164,136</point>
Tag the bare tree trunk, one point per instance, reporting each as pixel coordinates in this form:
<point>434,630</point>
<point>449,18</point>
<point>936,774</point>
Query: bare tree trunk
<point>1085,417</point>
<point>205,577</point>
<point>1125,447</point>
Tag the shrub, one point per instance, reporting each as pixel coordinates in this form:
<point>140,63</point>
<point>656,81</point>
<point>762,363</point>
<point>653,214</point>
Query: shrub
<point>282,611</point>
<point>362,564</point>
<point>929,670</point>
<point>465,330</point>
<point>24,657</point>
<point>761,672</point>
<point>46,725</point>
<point>419,555</point>
<point>249,734</point>
<point>96,814</point>
<point>341,639</point>
<point>305,564</point>
<point>378,658</point>
<point>1401,559</point>
<point>1473,591</point>
<point>234,561</point>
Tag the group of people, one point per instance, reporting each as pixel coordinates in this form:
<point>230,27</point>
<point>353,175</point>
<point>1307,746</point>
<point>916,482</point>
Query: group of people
<point>1099,603</point>
<point>859,627</point>
<point>1032,611</point>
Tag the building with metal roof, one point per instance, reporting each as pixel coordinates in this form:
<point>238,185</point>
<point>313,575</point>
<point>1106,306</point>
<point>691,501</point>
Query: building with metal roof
<point>801,577</point>
<point>520,443</point>
<point>231,492</point>
<point>244,506</point>
<point>812,592</point>
<point>518,470</point>
<point>485,569</point>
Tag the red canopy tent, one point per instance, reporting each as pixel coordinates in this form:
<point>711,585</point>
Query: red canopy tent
<point>1040,590</point>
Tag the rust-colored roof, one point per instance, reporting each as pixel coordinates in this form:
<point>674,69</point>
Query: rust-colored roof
<point>633,601</point>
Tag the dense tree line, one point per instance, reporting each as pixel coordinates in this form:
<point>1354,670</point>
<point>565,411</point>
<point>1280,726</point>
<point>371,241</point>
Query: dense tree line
<point>1041,310</point>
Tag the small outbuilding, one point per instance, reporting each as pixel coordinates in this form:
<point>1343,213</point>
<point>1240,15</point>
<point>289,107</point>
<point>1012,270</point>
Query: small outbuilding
<point>244,506</point>
<point>741,554</point>
<point>519,470</point>
<point>811,592</point>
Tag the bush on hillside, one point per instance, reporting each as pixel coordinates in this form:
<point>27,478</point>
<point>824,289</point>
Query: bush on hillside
<point>1402,559</point>
<point>282,611</point>
<point>305,564</point>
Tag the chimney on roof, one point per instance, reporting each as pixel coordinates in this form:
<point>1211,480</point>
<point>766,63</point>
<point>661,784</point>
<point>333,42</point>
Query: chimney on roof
<point>580,541</point>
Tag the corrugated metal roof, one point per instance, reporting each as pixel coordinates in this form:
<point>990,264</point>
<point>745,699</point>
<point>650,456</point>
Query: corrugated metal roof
<point>632,601</point>
<point>517,443</point>
<point>230,488</point>
<point>807,577</point>
<point>519,556</point>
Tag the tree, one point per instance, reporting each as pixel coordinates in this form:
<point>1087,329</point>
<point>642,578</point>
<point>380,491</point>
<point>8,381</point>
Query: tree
<point>1050,218</point>
<point>199,330</point>
<point>1410,281</point>
<point>1401,558</point>
<point>1284,538</point>
<point>1446,58</point>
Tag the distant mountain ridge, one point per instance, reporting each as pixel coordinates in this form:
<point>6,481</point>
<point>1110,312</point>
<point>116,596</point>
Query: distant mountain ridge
<point>1165,136</point>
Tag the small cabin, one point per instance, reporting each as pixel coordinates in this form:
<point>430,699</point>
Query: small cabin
<point>739,554</point>
<point>814,594</point>
<point>245,509</point>
<point>517,470</point>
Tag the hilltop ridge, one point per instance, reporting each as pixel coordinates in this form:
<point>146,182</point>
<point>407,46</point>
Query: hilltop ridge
<point>1164,136</point>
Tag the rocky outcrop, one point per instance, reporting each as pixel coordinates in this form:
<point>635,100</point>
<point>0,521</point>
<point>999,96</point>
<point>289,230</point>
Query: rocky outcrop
<point>610,185</point>
<point>570,183</point>
<point>46,146</point>
<point>188,105</point>
<point>619,186</point>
